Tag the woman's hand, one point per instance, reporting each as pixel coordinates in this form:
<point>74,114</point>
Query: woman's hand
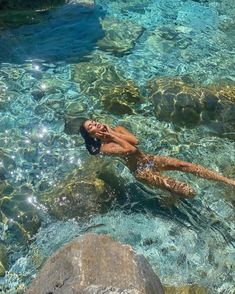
<point>105,135</point>
<point>107,129</point>
<point>125,135</point>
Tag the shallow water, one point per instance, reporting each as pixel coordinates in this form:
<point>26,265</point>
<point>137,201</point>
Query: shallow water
<point>67,66</point>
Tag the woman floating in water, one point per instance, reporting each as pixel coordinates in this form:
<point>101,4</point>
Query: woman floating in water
<point>100,138</point>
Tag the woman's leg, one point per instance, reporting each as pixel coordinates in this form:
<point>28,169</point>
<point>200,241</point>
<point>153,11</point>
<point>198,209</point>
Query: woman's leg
<point>171,163</point>
<point>150,177</point>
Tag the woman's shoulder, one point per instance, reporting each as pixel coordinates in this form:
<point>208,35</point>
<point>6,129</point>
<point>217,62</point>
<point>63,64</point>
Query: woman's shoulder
<point>120,129</point>
<point>116,128</point>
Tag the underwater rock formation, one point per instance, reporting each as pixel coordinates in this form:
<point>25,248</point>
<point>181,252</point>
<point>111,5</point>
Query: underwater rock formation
<point>117,95</point>
<point>3,260</point>
<point>28,4</point>
<point>96,264</point>
<point>186,104</point>
<point>81,194</point>
<point>15,210</point>
<point>21,43</point>
<point>20,12</point>
<point>2,94</point>
<point>83,2</point>
<point>74,116</point>
<point>117,175</point>
<point>22,219</point>
<point>121,99</point>
<point>192,289</point>
<point>7,164</point>
<point>91,76</point>
<point>120,36</point>
<point>53,86</point>
<point>6,96</point>
<point>16,18</point>
<point>166,39</point>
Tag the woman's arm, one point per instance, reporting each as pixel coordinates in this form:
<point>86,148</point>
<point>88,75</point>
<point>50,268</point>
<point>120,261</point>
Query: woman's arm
<point>124,134</point>
<point>116,145</point>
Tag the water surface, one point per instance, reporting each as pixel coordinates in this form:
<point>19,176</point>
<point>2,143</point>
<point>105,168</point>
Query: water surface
<point>100,61</point>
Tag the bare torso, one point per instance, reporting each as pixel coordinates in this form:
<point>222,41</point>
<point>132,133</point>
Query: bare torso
<point>138,160</point>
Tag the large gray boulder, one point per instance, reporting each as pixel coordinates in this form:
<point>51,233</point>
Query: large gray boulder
<point>96,264</point>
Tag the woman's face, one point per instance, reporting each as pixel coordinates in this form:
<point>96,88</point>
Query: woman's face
<point>94,127</point>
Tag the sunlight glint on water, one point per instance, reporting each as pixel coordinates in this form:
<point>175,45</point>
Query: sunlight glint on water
<point>67,66</point>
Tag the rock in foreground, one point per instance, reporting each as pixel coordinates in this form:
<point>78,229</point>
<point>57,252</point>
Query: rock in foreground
<point>96,264</point>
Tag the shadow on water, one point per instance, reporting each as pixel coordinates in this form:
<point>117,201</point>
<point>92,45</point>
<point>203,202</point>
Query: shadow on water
<point>150,202</point>
<point>131,197</point>
<point>186,213</point>
<point>65,34</point>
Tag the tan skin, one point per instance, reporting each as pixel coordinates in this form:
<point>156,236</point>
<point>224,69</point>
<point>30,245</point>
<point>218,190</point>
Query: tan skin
<point>148,168</point>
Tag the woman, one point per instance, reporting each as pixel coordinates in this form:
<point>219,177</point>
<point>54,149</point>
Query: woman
<point>100,138</point>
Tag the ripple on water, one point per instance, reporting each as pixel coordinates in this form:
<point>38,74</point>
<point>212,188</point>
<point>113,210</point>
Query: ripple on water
<point>185,241</point>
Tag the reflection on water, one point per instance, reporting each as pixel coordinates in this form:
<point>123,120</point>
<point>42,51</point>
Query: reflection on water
<point>164,70</point>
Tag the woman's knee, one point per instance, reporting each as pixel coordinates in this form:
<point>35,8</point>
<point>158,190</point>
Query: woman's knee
<point>180,188</point>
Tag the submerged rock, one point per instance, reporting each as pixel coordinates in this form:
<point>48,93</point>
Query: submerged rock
<point>74,116</point>
<point>91,76</point>
<point>3,260</point>
<point>75,108</point>
<point>116,174</point>
<point>121,99</point>
<point>167,39</point>
<point>22,217</point>
<point>5,188</point>
<point>12,73</point>
<point>175,101</point>
<point>28,4</point>
<point>184,103</point>
<point>7,164</point>
<point>72,124</point>
<point>3,87</point>
<point>96,264</point>
<point>117,95</point>
<point>81,194</point>
<point>16,211</point>
<point>68,21</point>
<point>21,12</point>
<point>6,96</point>
<point>192,289</point>
<point>37,94</point>
<point>120,36</point>
<point>15,18</point>
<point>83,2</point>
<point>54,86</point>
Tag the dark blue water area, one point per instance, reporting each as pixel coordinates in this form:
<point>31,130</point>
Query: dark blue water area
<point>66,34</point>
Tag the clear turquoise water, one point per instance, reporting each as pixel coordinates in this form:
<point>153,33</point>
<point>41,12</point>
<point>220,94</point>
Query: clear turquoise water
<point>187,242</point>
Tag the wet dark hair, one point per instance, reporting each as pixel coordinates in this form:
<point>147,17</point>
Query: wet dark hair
<point>92,144</point>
